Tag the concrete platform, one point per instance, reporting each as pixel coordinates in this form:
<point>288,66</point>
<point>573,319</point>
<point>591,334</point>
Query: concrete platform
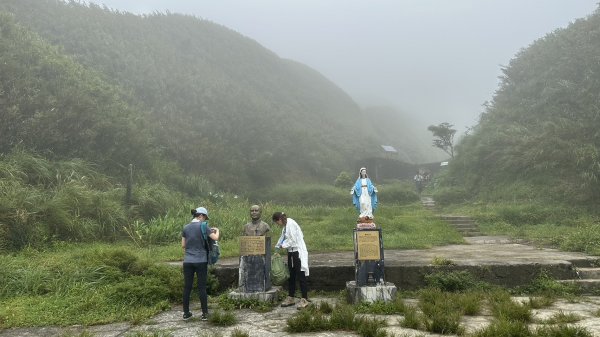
<point>497,260</point>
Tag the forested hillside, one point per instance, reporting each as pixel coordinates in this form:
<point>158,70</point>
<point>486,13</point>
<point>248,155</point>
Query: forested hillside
<point>49,102</point>
<point>539,138</point>
<point>198,94</point>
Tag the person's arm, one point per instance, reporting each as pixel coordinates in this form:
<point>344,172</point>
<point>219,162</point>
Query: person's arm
<point>215,234</point>
<point>280,241</point>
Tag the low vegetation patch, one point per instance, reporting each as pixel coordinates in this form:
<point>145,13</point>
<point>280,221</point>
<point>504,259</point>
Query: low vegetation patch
<point>342,317</point>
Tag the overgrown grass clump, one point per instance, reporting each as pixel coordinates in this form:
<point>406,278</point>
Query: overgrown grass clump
<point>566,227</point>
<point>86,285</point>
<point>342,317</point>
<point>43,201</point>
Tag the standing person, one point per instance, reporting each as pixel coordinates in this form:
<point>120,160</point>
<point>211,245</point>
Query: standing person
<point>195,260</point>
<point>364,196</point>
<point>418,182</point>
<point>292,239</point>
<point>256,227</point>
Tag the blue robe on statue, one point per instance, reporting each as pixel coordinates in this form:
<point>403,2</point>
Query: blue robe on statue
<point>358,191</point>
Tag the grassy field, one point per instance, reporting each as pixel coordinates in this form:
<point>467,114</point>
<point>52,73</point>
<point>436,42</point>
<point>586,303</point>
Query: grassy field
<point>94,283</point>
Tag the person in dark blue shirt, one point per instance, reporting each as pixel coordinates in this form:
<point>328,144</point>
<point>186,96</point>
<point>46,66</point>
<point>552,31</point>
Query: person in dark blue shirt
<point>195,260</point>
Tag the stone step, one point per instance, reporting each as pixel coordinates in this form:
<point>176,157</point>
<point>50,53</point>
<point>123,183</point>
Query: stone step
<point>586,287</point>
<point>471,234</point>
<point>467,230</point>
<point>454,217</point>
<point>585,263</point>
<point>464,225</point>
<point>459,221</point>
<point>588,273</point>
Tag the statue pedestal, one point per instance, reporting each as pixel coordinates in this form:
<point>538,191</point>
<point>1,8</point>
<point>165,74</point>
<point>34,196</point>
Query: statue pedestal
<point>255,265</point>
<point>263,296</point>
<point>380,292</point>
<point>369,284</point>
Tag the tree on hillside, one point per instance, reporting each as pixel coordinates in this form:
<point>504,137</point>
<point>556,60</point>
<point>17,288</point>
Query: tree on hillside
<point>444,137</point>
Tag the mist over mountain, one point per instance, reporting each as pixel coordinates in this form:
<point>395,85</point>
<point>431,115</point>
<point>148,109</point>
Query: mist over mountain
<point>200,95</point>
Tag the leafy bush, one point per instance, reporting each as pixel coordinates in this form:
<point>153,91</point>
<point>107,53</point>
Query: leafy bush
<point>343,180</point>
<point>399,193</point>
<point>450,195</point>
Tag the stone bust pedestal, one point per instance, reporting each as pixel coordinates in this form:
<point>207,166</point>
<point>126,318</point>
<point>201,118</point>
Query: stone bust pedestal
<point>255,268</point>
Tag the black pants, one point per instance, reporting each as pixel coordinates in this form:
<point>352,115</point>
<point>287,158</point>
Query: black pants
<point>294,268</point>
<point>189,269</point>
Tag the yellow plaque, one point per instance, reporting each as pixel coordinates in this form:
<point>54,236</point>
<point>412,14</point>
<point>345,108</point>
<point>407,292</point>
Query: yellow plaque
<point>252,245</point>
<point>368,245</point>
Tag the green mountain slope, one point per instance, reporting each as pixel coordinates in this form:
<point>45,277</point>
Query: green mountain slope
<point>542,128</point>
<point>216,103</point>
<point>50,103</point>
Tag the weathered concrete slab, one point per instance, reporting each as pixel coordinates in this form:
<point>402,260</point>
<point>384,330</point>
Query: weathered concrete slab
<point>497,260</point>
<point>273,324</point>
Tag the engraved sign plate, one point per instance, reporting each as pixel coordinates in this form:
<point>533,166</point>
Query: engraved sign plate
<point>368,245</point>
<point>252,245</point>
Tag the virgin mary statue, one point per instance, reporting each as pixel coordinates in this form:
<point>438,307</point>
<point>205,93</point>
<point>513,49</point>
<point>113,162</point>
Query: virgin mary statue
<point>364,195</point>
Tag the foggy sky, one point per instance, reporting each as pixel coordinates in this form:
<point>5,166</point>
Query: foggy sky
<point>435,59</point>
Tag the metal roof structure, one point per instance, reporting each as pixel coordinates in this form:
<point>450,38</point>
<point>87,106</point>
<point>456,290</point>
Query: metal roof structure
<point>388,148</point>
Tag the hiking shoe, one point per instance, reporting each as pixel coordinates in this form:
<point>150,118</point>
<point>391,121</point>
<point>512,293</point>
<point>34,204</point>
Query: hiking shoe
<point>289,301</point>
<point>302,304</point>
<point>204,317</point>
<point>187,315</point>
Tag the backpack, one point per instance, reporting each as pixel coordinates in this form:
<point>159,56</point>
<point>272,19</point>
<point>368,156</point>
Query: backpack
<point>213,250</point>
<point>279,271</point>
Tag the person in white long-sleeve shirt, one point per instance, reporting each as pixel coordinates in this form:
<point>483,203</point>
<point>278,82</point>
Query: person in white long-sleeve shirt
<point>292,239</point>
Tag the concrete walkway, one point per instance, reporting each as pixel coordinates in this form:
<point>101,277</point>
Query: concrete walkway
<point>273,324</point>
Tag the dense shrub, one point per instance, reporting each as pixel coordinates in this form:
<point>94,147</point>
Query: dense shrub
<point>453,281</point>
<point>398,193</point>
<point>343,180</point>
<point>450,195</point>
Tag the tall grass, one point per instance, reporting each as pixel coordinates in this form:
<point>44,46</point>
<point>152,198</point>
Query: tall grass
<point>83,284</point>
<point>564,227</point>
<point>43,201</point>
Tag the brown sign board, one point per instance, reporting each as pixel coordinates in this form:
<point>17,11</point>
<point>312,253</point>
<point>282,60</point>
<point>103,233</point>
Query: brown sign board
<point>368,245</point>
<point>252,245</point>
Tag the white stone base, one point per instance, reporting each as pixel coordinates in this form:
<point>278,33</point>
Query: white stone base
<point>381,292</point>
<point>266,296</point>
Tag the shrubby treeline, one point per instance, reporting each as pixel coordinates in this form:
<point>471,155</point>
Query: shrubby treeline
<point>538,139</point>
